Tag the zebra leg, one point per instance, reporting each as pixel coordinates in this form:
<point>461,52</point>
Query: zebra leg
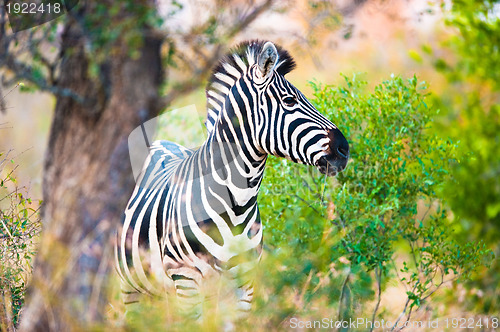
<point>129,295</point>
<point>131,298</point>
<point>243,275</point>
<point>187,289</point>
<point>245,296</point>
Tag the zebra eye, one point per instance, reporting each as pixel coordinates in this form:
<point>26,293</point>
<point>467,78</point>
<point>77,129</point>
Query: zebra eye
<point>290,101</point>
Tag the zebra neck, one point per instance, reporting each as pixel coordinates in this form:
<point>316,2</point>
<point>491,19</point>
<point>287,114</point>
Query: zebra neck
<point>232,169</point>
<point>233,157</point>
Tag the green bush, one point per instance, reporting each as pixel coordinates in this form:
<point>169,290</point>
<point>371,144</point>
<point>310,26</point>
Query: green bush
<point>474,113</point>
<point>470,105</point>
<point>336,244</point>
<point>19,229</point>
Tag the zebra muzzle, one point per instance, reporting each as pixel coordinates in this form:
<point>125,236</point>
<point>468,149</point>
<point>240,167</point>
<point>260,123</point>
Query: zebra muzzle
<point>330,165</point>
<point>335,160</point>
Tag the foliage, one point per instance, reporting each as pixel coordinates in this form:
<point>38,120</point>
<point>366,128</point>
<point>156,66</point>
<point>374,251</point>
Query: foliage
<point>19,230</point>
<point>471,109</point>
<point>123,27</point>
<point>475,112</point>
<point>340,242</point>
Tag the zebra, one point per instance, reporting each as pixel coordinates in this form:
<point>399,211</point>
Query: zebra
<point>194,215</point>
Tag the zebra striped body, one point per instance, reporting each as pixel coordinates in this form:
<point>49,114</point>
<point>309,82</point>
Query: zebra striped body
<point>194,214</point>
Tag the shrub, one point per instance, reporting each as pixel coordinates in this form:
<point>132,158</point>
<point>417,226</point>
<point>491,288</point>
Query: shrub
<point>336,244</point>
<point>19,229</point>
<point>470,104</point>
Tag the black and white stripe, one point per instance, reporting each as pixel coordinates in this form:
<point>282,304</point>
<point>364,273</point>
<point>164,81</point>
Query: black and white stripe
<point>194,214</point>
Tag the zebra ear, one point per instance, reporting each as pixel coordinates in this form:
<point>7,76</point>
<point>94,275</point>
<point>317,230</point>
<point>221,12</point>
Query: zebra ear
<point>267,60</point>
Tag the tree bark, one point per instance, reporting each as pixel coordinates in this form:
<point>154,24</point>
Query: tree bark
<point>88,177</point>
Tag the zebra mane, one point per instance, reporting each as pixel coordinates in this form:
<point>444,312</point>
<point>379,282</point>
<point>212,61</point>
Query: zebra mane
<point>230,69</point>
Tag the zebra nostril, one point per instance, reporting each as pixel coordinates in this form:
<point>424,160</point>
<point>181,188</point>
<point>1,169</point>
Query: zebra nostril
<point>338,146</point>
<point>343,152</point>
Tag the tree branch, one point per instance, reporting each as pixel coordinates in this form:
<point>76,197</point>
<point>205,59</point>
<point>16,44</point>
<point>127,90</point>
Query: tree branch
<point>25,72</point>
<point>342,294</point>
<point>191,84</point>
<point>378,275</point>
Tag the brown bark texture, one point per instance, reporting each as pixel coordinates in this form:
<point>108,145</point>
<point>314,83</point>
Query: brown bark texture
<point>88,177</point>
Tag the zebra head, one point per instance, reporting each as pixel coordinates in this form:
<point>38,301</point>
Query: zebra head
<point>288,124</point>
<point>281,119</point>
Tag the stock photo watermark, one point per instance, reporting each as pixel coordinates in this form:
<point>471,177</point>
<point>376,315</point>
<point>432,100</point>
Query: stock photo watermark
<point>387,325</point>
<point>28,14</point>
<point>182,125</point>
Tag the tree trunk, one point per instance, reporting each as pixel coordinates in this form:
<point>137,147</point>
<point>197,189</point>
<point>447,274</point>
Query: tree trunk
<point>88,177</point>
